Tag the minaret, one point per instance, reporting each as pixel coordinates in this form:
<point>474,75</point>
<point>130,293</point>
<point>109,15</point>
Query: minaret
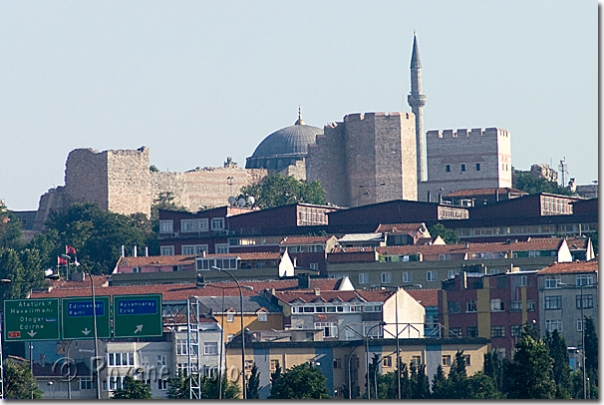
<point>417,101</point>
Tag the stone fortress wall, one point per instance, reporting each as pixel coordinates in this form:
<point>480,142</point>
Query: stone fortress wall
<point>121,181</point>
<point>465,159</point>
<point>365,159</point>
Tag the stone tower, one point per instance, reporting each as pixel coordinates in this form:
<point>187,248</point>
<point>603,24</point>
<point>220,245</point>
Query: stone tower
<point>417,101</point>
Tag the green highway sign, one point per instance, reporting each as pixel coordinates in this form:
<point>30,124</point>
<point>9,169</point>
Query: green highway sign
<point>137,315</point>
<point>78,318</point>
<point>31,319</point>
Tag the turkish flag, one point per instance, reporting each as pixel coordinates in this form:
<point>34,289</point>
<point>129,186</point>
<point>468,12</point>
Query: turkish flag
<point>61,261</point>
<point>70,250</point>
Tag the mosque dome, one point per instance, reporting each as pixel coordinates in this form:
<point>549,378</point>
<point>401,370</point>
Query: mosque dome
<point>284,146</point>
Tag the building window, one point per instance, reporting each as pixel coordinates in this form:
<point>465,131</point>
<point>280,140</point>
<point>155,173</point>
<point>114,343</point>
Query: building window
<point>497,331</point>
<point>231,317</point>
<point>430,275</point>
<point>230,337</point>
<point>515,330</point>
<point>387,361</point>
<point>472,331</point>
<point>584,279</point>
<point>455,332</point>
<point>515,306</point>
<point>468,359</point>
<point>471,306</point>
<point>116,383</point>
<point>188,225</point>
<point>166,226</point>
<point>553,282</point>
<point>417,360</point>
<point>330,329</point>
<point>497,305</point>
<point>167,251</point>
<point>451,273</point>
<point>523,282</point>
<point>162,384</point>
<point>477,167</point>
<point>588,301</point>
<point>530,305</point>
<point>262,316</point>
<point>275,363</point>
<point>217,224</point>
<point>448,168</point>
<point>136,269</point>
<point>363,278</point>
<point>407,277</point>
<point>161,360</point>
<point>553,302</point>
<point>181,346</point>
<point>120,359</point>
<point>446,360</point>
<point>86,383</point>
<point>553,324</point>
<point>190,250</point>
<point>221,248</point>
<point>372,330</point>
<point>579,325</point>
<point>453,307</point>
<point>337,363</point>
<point>463,167</point>
<point>210,348</point>
<point>385,278</point>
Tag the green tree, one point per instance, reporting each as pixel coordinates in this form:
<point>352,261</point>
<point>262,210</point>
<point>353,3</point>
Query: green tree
<point>448,235</point>
<point>133,389</point>
<point>561,370</point>
<point>23,269</point>
<point>276,374</point>
<point>178,387</point>
<point>300,382</point>
<point>253,384</point>
<point>457,380</point>
<point>421,388</point>
<point>525,181</point>
<point>494,367</point>
<point>439,384</point>
<point>276,190</point>
<point>96,234</point>
<point>210,388</point>
<point>530,372</point>
<point>19,382</point>
<point>481,386</point>
<point>591,356</point>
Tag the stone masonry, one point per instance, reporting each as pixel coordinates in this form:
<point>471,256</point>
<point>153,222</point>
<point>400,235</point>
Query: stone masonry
<point>466,160</point>
<point>365,159</point>
<point>120,181</point>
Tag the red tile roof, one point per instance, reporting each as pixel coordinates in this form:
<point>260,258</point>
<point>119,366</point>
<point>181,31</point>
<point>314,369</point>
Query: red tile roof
<point>428,298</point>
<point>304,240</point>
<point>330,295</point>
<point>399,228</point>
<point>572,267</point>
<point>532,244</point>
<point>143,261</point>
<point>176,292</point>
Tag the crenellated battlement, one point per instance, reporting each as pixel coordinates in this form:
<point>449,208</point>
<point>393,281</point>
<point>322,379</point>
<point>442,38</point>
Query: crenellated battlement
<point>465,133</point>
<point>372,115</point>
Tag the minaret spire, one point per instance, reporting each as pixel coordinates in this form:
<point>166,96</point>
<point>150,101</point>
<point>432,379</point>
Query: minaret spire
<point>300,120</point>
<point>417,101</point>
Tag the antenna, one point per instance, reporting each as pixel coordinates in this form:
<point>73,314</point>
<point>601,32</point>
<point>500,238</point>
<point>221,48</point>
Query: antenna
<point>241,202</point>
<point>562,167</point>
<point>251,200</point>
<point>232,201</point>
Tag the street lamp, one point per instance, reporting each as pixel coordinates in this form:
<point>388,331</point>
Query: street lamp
<point>220,368</point>
<point>398,347</point>
<point>367,357</point>
<point>350,373</point>
<point>94,325</point>
<point>244,387</point>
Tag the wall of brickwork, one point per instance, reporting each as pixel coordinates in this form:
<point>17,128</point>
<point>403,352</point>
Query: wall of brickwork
<point>491,149</point>
<point>326,162</point>
<point>298,170</point>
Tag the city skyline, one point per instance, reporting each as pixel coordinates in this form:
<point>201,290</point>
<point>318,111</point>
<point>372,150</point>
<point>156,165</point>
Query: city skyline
<point>199,81</point>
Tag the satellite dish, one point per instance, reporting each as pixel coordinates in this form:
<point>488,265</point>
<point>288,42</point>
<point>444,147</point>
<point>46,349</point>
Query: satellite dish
<point>251,200</point>
<point>241,202</point>
<point>232,201</point>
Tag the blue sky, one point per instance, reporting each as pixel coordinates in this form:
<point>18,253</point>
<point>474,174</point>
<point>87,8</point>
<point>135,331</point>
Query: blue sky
<point>197,81</point>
